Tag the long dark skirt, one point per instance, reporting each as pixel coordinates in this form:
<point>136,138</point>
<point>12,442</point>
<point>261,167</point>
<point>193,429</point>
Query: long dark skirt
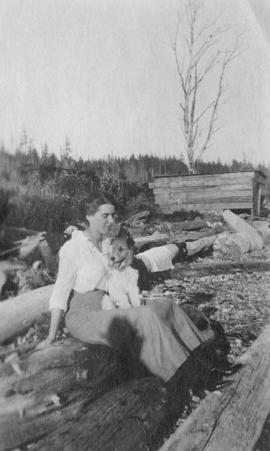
<point>161,334</point>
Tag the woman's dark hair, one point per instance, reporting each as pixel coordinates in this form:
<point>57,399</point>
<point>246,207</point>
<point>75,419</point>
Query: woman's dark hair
<point>101,199</point>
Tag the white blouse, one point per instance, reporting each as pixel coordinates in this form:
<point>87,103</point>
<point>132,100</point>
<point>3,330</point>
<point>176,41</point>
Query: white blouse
<point>82,267</point>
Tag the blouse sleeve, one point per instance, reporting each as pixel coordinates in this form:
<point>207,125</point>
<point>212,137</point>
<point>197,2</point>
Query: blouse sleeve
<point>65,280</point>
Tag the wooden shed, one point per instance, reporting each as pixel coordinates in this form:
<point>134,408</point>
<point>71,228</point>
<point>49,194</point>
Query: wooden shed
<point>210,192</point>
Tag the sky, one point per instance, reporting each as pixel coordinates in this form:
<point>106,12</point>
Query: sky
<point>102,73</point>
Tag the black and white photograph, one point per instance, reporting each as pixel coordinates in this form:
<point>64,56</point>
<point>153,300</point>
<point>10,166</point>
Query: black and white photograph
<point>134,225</point>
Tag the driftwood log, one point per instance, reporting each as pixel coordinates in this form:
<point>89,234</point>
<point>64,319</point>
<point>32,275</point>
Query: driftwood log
<point>245,239</point>
<point>45,389</point>
<point>239,225</point>
<point>73,395</point>
<point>121,420</point>
<point>18,313</point>
<point>232,419</point>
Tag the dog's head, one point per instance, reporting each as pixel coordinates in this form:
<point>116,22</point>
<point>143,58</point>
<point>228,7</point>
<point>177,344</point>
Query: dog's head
<point>122,252</point>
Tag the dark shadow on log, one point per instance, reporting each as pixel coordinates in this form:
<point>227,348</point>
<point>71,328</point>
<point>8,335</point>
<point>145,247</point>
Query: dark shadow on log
<point>263,444</point>
<point>125,341</point>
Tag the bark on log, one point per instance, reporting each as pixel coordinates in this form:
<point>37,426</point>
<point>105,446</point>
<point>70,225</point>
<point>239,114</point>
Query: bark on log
<point>56,368</point>
<point>232,419</point>
<point>231,245</point>
<point>18,313</point>
<point>57,398</point>
<point>122,419</point>
<point>263,228</point>
<point>51,387</point>
<point>241,226</point>
<point>134,415</point>
<point>245,239</point>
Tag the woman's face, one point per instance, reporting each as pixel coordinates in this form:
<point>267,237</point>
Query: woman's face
<point>103,219</point>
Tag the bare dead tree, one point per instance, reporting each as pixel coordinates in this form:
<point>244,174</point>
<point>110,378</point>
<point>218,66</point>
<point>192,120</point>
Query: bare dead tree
<point>199,56</point>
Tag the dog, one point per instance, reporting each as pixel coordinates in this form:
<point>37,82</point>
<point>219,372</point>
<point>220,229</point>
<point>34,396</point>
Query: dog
<point>123,289</point>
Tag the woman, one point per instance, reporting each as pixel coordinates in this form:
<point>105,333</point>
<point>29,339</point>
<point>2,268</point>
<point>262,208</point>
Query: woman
<point>160,334</point>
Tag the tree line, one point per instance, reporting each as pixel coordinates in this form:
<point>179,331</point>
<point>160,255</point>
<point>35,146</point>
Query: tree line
<point>47,192</point>
<point>23,166</point>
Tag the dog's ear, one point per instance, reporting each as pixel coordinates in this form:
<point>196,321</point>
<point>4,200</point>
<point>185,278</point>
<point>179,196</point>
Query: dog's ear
<point>129,258</point>
<point>125,233</point>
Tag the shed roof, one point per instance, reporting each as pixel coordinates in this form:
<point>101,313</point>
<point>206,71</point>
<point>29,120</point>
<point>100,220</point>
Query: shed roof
<point>260,173</point>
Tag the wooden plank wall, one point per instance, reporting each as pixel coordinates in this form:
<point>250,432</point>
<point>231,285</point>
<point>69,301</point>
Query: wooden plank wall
<point>204,192</point>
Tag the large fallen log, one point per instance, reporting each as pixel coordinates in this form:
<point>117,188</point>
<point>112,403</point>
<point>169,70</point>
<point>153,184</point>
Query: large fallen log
<point>52,393</point>
<point>46,388</point>
<point>57,396</point>
<point>245,239</point>
<point>232,419</point>
<point>241,226</point>
<point>123,419</point>
<point>263,228</point>
<point>18,313</point>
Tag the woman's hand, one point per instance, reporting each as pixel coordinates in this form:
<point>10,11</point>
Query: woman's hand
<point>55,318</point>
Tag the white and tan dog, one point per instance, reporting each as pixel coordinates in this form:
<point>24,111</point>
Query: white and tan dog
<point>123,290</point>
